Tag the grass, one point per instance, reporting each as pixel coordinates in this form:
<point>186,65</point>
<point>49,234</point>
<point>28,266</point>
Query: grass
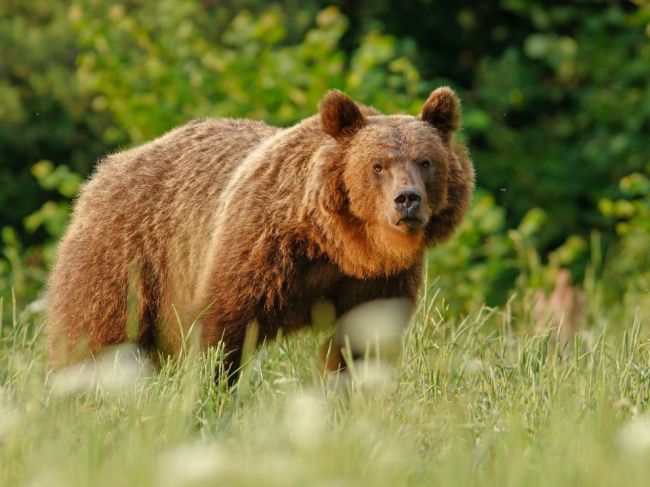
<point>473,401</point>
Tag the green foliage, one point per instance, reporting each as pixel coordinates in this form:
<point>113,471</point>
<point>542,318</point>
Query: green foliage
<point>568,111</point>
<point>474,265</point>
<point>22,272</point>
<point>150,76</point>
<point>629,272</point>
<point>486,262</point>
<point>53,215</point>
<point>43,113</point>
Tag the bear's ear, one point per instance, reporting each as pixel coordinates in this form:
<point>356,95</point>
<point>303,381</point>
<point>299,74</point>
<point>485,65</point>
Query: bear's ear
<point>339,115</point>
<point>442,110</point>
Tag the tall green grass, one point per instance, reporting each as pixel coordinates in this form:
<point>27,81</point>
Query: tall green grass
<point>477,400</point>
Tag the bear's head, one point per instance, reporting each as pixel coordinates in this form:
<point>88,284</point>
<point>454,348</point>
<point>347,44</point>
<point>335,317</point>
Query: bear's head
<point>393,172</point>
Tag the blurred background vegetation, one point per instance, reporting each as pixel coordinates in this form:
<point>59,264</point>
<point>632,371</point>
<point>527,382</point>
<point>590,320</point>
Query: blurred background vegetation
<point>556,113</point>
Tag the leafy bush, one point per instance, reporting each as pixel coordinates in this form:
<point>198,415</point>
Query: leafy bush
<point>150,76</point>
<point>628,274</point>
<point>485,263</point>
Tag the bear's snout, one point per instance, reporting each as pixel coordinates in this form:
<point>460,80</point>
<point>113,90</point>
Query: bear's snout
<point>407,201</point>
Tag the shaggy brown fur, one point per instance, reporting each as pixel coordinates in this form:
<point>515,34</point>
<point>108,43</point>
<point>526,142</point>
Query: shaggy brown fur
<point>232,221</point>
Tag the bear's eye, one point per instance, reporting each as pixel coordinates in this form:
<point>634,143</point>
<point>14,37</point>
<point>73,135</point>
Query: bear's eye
<point>377,168</point>
<point>424,163</point>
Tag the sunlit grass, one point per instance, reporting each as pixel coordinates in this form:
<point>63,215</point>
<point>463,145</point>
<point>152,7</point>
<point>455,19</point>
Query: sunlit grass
<point>474,400</point>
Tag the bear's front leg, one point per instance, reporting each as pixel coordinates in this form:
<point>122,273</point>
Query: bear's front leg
<point>331,354</point>
<point>233,348</point>
<point>226,322</point>
<point>372,317</point>
<point>371,329</point>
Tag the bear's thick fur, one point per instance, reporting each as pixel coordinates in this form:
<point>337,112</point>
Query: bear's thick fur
<point>224,222</point>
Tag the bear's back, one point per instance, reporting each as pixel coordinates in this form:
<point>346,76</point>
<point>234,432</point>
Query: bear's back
<point>153,207</point>
<point>175,180</point>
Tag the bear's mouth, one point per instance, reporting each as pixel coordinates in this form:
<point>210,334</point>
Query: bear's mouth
<point>412,223</point>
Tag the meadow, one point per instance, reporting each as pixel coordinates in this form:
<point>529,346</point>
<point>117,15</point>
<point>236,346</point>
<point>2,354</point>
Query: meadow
<point>474,400</point>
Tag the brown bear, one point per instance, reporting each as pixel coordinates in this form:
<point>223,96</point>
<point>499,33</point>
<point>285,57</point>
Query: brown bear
<point>225,222</point>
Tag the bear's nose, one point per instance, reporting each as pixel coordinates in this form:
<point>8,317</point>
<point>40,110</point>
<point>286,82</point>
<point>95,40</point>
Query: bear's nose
<point>407,200</point>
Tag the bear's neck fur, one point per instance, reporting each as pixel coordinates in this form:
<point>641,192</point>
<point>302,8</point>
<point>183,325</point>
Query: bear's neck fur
<point>361,250</point>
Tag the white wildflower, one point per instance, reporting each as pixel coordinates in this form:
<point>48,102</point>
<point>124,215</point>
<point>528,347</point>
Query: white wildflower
<point>634,436</point>
<point>306,420</point>
<point>376,326</point>
<point>9,416</point>
<point>38,306</point>
<point>372,376</point>
<point>192,464</point>
<point>117,370</point>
